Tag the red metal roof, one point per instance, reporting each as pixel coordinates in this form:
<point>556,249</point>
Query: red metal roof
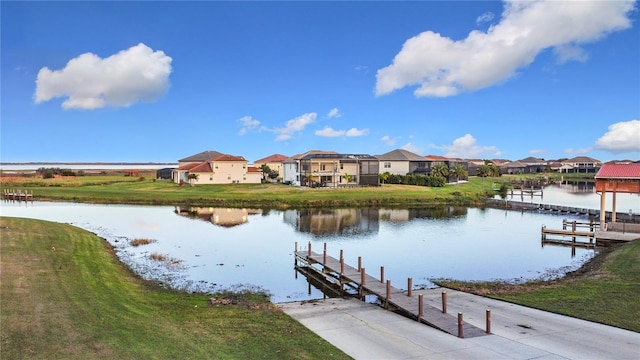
<point>619,171</point>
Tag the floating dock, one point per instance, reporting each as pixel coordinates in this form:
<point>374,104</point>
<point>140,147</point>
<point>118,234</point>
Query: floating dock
<point>336,278</point>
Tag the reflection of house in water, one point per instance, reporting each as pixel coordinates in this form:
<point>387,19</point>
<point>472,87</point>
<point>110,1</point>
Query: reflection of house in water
<point>328,222</point>
<point>406,215</point>
<point>578,186</point>
<point>226,217</point>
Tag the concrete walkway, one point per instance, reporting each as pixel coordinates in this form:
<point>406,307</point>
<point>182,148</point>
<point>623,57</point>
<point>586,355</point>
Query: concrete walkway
<point>366,331</point>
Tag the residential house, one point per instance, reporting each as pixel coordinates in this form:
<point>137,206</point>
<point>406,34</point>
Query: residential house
<point>450,163</point>
<point>221,169</point>
<point>335,170</point>
<point>291,167</point>
<point>402,162</point>
<point>274,162</point>
<point>580,164</point>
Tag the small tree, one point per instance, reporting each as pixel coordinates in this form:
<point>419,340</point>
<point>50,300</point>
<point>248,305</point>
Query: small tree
<point>193,178</point>
<point>459,171</point>
<point>384,176</point>
<point>348,177</point>
<point>266,171</point>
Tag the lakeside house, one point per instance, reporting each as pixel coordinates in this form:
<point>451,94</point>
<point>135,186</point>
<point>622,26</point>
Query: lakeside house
<point>275,163</point>
<point>212,167</point>
<point>580,165</point>
<point>291,167</point>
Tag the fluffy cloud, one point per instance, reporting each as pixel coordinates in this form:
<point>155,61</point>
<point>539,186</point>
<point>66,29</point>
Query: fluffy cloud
<point>334,113</point>
<point>467,147</point>
<point>294,126</point>
<point>330,132</point>
<point>388,140</point>
<point>414,149</point>
<point>120,80</point>
<point>443,67</point>
<point>621,137</point>
<point>248,123</point>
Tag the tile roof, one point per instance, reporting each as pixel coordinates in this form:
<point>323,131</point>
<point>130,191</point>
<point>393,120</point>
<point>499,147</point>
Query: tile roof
<point>271,159</point>
<point>203,167</point>
<point>200,157</point>
<point>619,171</point>
<point>581,159</point>
<point>227,157</point>
<point>400,155</point>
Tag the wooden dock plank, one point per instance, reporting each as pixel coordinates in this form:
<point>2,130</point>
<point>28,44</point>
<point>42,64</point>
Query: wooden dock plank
<point>399,300</point>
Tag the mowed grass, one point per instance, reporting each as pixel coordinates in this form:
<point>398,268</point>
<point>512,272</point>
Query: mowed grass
<point>607,290</point>
<point>108,189</point>
<point>64,295</point>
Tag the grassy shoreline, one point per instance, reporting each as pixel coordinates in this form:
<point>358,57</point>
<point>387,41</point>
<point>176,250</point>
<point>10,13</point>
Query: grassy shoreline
<point>64,294</point>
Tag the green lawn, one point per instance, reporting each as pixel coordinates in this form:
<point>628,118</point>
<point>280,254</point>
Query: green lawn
<point>64,295</point>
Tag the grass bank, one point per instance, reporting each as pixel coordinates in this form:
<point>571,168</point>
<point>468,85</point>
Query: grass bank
<point>605,290</point>
<point>65,295</point>
<point>127,190</point>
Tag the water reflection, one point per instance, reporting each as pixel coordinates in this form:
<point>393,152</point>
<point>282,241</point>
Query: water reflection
<point>225,217</point>
<point>443,242</point>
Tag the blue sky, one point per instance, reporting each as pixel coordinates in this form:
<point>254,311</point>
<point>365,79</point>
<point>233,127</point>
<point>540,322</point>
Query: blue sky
<point>159,81</point>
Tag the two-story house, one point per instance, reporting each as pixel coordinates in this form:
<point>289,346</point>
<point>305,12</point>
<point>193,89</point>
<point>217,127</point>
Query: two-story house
<point>219,169</point>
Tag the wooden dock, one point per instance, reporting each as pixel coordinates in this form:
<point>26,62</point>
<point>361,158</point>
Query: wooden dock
<point>335,277</point>
<point>18,195</point>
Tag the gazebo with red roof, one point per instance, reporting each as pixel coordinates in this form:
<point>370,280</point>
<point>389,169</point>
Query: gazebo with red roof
<point>616,178</point>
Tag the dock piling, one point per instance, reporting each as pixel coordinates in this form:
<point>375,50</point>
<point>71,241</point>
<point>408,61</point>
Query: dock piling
<point>444,302</point>
<point>382,274</point>
<point>409,286</point>
<point>420,306</point>
<point>488,331</point>
<point>460,326</point>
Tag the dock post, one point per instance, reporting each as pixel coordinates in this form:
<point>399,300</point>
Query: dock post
<point>388,294</point>
<point>363,275</point>
<point>382,274</point>
<point>488,331</point>
<point>341,266</point>
<point>444,302</point>
<point>409,286</point>
<point>460,323</point>
<point>324,255</point>
<point>359,263</point>
<point>573,231</point>
<point>296,248</point>
<point>420,306</point>
<point>309,248</point>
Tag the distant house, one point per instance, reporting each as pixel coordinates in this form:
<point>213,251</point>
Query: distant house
<point>402,162</point>
<point>291,167</point>
<point>221,169</point>
<point>274,162</point>
<point>334,170</point>
<point>581,165</point>
<point>450,163</point>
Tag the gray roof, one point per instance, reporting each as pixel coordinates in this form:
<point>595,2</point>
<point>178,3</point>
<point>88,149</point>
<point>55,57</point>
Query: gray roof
<point>203,156</point>
<point>400,155</point>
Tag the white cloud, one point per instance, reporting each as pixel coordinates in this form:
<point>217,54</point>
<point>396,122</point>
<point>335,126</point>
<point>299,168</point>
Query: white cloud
<point>120,80</point>
<point>467,147</point>
<point>334,113</point>
<point>572,151</point>
<point>621,137</point>
<point>486,17</point>
<point>353,132</point>
<point>414,149</point>
<point>294,126</point>
<point>443,67</point>
<point>248,123</point>
<point>329,132</point>
<point>388,140</point>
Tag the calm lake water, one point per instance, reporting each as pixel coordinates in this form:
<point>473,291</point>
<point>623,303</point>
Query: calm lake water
<point>216,248</point>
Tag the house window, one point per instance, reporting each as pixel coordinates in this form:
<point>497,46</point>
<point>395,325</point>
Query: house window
<point>341,166</point>
<point>244,166</point>
<point>244,178</point>
<point>228,177</point>
<point>210,177</point>
<point>387,165</point>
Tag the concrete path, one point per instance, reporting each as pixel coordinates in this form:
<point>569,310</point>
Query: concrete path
<point>366,331</point>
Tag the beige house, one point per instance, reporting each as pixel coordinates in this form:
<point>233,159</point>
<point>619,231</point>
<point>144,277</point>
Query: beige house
<point>580,164</point>
<point>274,162</point>
<point>220,169</point>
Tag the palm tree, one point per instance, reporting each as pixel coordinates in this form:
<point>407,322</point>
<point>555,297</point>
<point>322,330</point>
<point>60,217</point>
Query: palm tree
<point>384,176</point>
<point>440,170</point>
<point>459,171</point>
<point>193,178</point>
<point>265,171</point>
